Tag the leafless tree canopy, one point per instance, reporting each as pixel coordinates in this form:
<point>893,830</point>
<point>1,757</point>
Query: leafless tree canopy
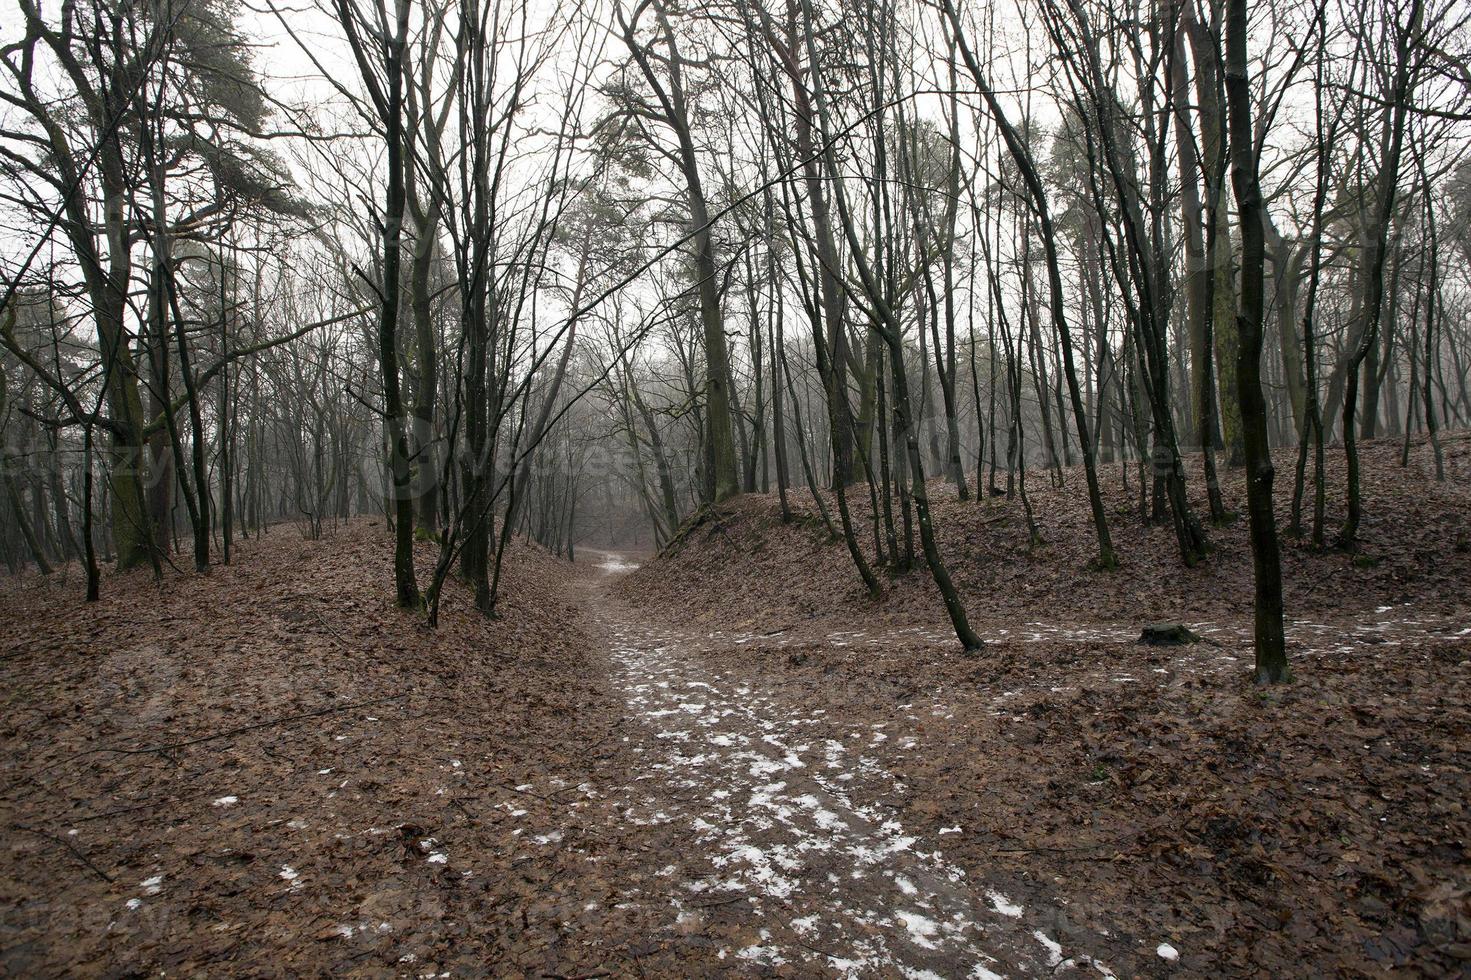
<point>575,271</point>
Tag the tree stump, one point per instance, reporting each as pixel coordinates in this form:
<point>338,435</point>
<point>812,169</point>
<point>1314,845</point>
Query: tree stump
<point>1168,635</point>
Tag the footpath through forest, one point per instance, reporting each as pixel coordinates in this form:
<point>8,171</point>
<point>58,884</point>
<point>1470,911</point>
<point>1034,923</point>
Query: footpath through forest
<point>727,760</point>
<point>790,831</point>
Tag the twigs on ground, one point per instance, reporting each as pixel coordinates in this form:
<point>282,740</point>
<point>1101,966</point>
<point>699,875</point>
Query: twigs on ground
<point>75,852</point>
<point>166,747</point>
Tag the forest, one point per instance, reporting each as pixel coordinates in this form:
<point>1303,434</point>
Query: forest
<point>807,487</point>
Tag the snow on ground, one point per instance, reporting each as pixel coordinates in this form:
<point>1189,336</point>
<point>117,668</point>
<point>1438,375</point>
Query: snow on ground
<point>616,564</point>
<point>791,809</point>
<point>609,562</point>
<point>794,827</point>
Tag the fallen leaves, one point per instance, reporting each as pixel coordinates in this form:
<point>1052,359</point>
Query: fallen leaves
<point>1150,792</point>
<point>439,797</point>
<point>246,743</point>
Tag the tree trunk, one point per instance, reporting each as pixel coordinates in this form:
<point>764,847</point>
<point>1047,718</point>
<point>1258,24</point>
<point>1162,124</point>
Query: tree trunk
<point>1271,652</point>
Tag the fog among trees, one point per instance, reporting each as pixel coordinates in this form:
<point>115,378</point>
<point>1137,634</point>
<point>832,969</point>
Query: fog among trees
<point>930,350</point>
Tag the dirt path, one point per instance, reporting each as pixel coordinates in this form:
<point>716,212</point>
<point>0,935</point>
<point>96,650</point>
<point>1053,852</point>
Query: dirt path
<point>790,847</point>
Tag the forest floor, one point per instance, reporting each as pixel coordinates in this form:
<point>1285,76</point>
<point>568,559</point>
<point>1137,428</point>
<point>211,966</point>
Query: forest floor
<point>730,759</point>
<point>1131,795</point>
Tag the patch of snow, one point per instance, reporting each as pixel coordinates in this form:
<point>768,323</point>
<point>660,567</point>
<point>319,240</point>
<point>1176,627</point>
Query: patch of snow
<point>796,839</point>
<point>1004,905</point>
<point>1054,949</point>
<point>921,930</point>
<point>614,564</point>
<point>827,820</point>
<point>761,870</point>
<point>226,801</point>
<point>761,954</point>
<point>1167,952</point>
